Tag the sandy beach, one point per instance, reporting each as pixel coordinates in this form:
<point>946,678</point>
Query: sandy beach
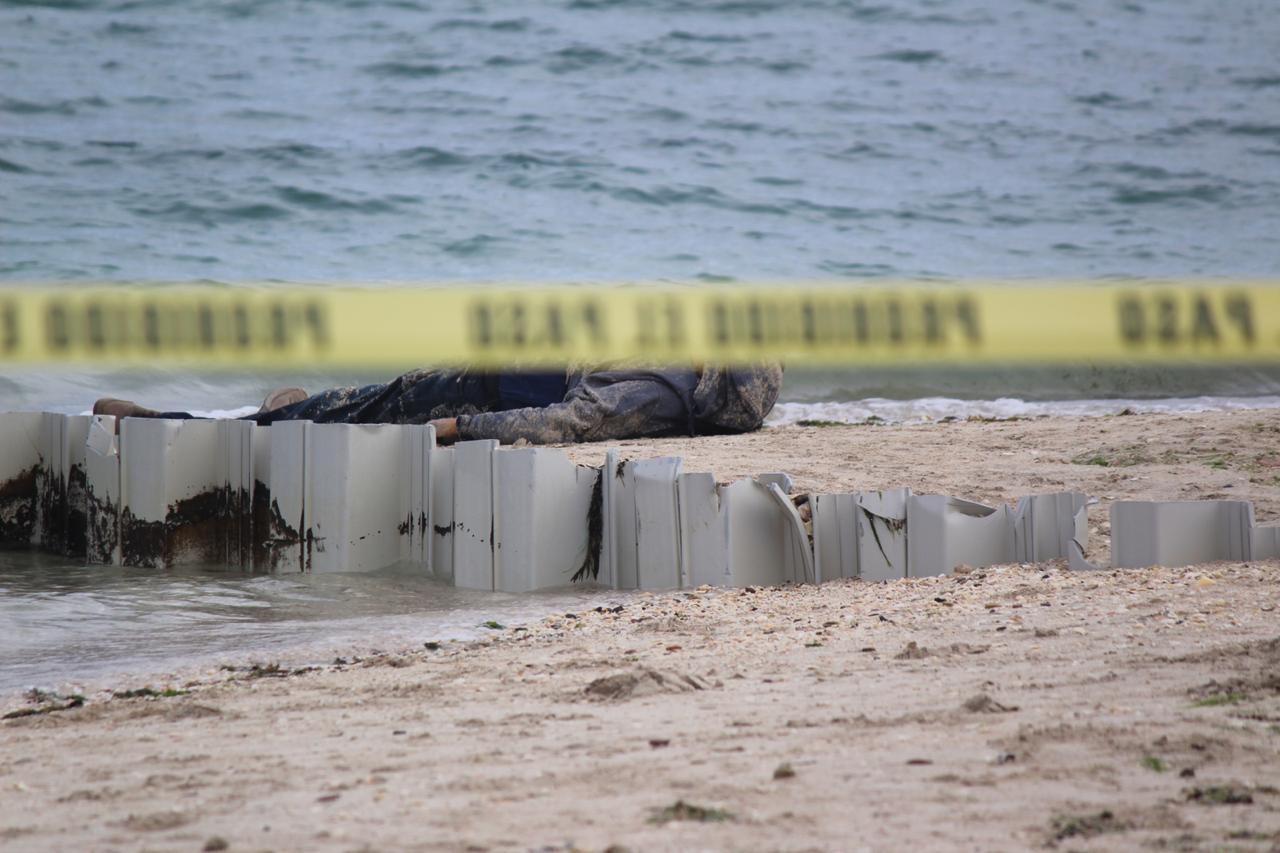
<point>1006,708</point>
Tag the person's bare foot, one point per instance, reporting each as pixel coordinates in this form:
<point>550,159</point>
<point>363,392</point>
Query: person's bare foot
<point>282,397</point>
<point>122,409</point>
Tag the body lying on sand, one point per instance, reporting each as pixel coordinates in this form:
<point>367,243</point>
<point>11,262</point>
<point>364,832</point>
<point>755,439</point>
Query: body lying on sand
<point>560,407</point>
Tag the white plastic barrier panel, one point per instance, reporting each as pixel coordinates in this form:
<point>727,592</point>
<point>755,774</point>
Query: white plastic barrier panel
<point>354,494</point>
<point>619,492</point>
<point>799,561</point>
<point>415,490</point>
<point>51,485</point>
<point>20,439</point>
<point>657,523</point>
<point>543,504</point>
<point>260,500</point>
<point>284,544</point>
<point>102,492</point>
<point>882,534</point>
<point>303,497</point>
<point>473,514</point>
<point>61,484</point>
<point>641,535</point>
<point>704,532</point>
<point>835,536</point>
<point>944,532</point>
<point>1266,542</point>
<point>235,446</point>
<point>440,519</point>
<point>1044,526</point>
<point>1179,533</point>
<point>171,481</point>
<point>760,551</point>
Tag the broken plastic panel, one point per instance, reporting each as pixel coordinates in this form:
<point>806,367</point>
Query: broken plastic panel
<point>657,523</point>
<point>881,519</point>
<point>102,492</point>
<point>619,524</point>
<point>299,496</point>
<point>543,501</point>
<point>170,493</point>
<point>760,545</point>
<point>20,435</point>
<point>355,496</point>
<point>473,514</point>
<point>1044,526</point>
<point>799,562</point>
<point>415,495</point>
<point>835,536</point>
<point>440,518</point>
<point>285,544</point>
<point>944,532</point>
<point>61,484</point>
<point>704,532</point>
<point>1179,533</point>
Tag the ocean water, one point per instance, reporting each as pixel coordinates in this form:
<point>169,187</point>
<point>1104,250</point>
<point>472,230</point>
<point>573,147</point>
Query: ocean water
<point>71,628</point>
<point>617,139</point>
<point>607,140</point>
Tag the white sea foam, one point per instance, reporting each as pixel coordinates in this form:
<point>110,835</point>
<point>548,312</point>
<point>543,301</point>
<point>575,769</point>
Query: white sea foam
<point>930,409</point>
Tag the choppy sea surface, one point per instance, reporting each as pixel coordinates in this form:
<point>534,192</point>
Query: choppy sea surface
<point>606,140</point>
<point>584,139</point>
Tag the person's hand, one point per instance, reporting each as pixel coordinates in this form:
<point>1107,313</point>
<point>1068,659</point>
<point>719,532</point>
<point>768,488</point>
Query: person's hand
<point>446,430</point>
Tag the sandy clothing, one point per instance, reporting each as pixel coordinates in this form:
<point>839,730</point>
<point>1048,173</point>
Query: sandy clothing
<point>614,404</point>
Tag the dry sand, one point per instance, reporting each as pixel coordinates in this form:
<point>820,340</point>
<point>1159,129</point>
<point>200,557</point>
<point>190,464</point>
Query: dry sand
<point>997,709</point>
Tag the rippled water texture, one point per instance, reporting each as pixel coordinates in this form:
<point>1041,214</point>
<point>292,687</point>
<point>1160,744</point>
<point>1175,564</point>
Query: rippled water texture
<point>65,622</point>
<point>746,139</point>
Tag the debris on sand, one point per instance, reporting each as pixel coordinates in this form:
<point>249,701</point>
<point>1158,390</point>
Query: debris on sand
<point>680,810</point>
<point>912,652</point>
<point>1086,826</point>
<point>984,704</point>
<point>1219,795</point>
<point>50,703</point>
<point>644,682</point>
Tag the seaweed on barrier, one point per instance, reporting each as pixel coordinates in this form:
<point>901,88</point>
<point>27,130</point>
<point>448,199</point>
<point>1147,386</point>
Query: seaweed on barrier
<point>192,531</point>
<point>281,535</point>
<point>260,526</point>
<point>62,510</point>
<point>51,489</point>
<point>595,531</point>
<point>18,507</point>
<point>102,529</point>
<point>77,539</point>
<point>894,525</point>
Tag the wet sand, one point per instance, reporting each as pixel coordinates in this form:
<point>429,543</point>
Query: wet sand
<point>995,709</point>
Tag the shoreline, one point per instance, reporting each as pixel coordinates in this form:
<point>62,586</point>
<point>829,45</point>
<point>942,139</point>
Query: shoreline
<point>996,709</point>
<point>999,708</point>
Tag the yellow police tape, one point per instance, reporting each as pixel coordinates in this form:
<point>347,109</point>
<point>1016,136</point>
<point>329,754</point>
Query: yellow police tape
<point>907,324</point>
